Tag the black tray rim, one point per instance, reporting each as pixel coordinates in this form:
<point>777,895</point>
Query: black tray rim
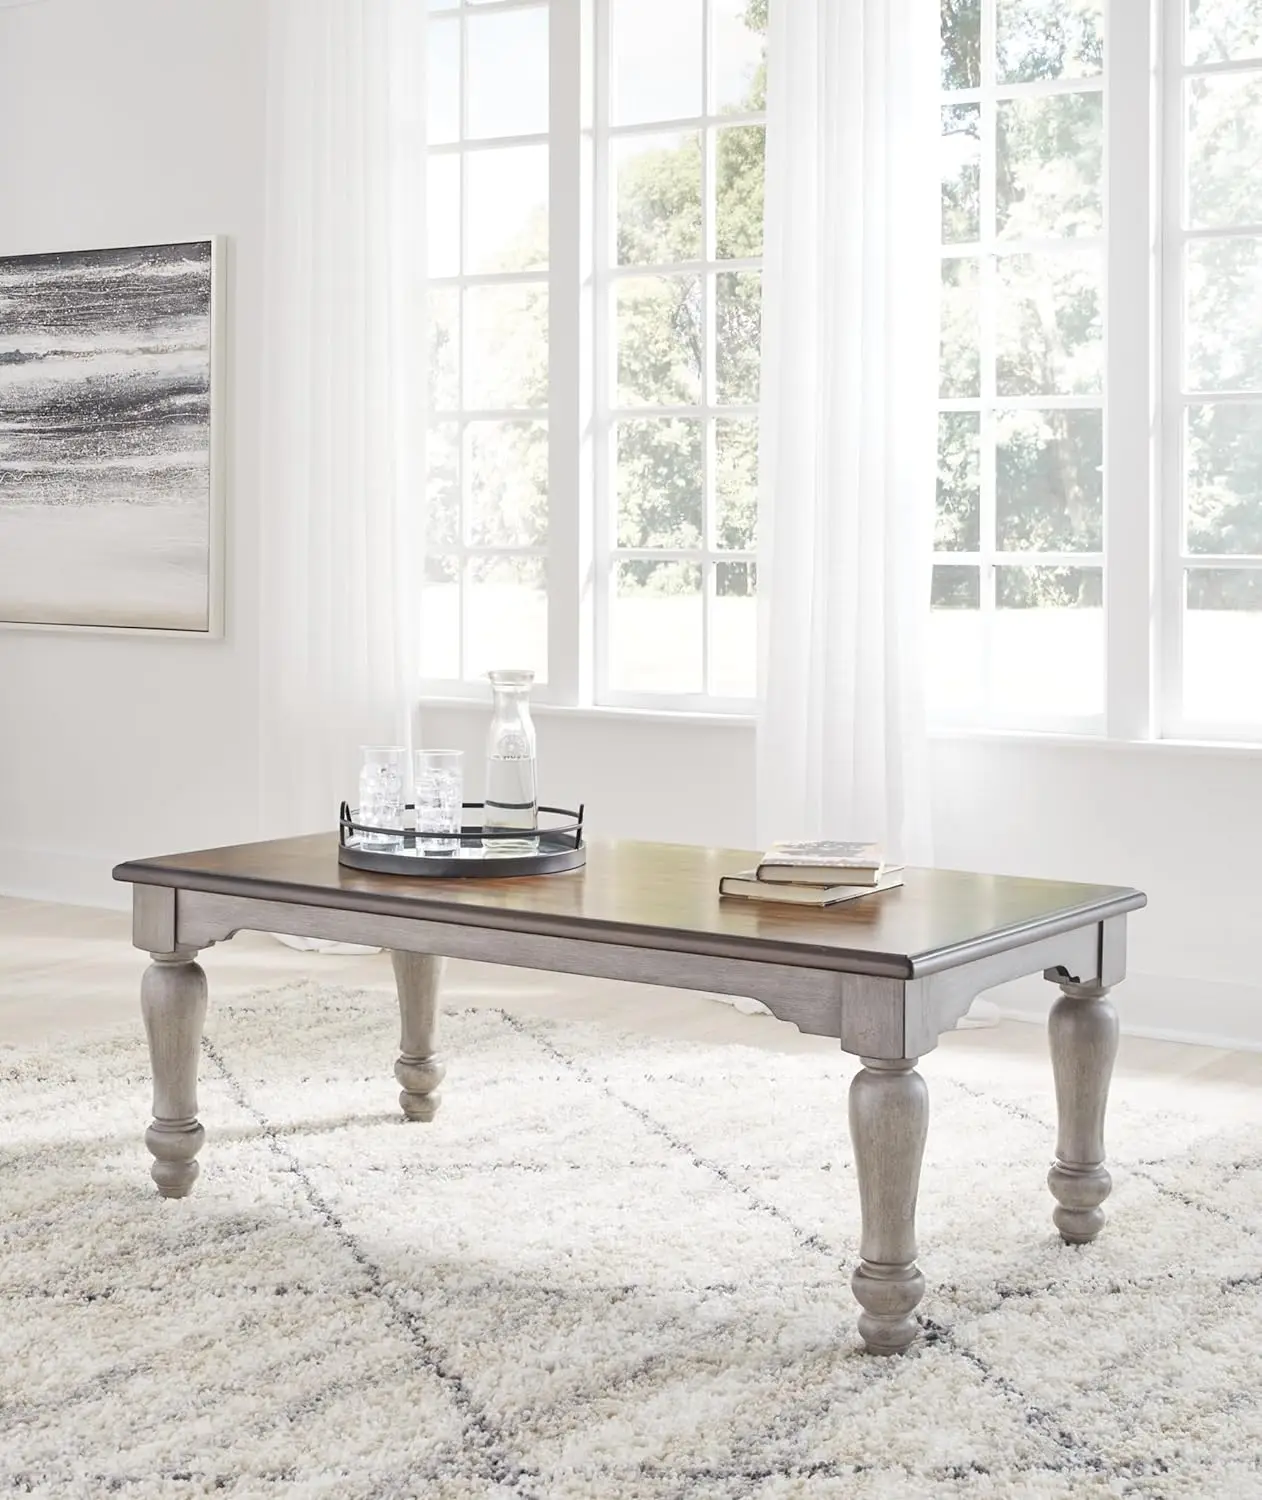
<point>561,848</point>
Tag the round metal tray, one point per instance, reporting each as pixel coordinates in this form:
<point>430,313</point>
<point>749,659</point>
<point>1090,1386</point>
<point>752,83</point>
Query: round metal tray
<point>561,847</point>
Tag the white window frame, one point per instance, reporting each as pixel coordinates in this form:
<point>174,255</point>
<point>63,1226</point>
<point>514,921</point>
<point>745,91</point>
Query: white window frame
<point>462,148</point>
<point>1131,361</point>
<point>1113,186</point>
<point>1144,553</point>
<point>607,413</point>
<point>1175,722</point>
<point>580,550</point>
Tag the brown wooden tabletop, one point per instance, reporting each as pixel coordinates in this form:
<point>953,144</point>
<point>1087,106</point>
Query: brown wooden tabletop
<point>643,893</point>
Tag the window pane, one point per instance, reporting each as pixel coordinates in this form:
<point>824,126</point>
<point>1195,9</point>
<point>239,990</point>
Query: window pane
<point>1222,627</point>
<point>1223,310</point>
<point>443,305</point>
<point>1048,481</point>
<point>1223,30</point>
<point>655,53</point>
<point>657,326</point>
<point>958,522</point>
<point>508,73</point>
<point>1047,642</point>
<point>738,315</point>
<point>961,173</point>
<point>440,618</point>
<point>1049,325</point>
<point>739,155</point>
<point>1049,588</point>
<point>739,43</point>
<point>508,209</point>
<point>1049,165</point>
<point>506,616</point>
<point>443,214</point>
<point>961,44</point>
<point>442,75</point>
<point>508,483</point>
<point>1223,466</point>
<point>956,587</point>
<point>1224,150</point>
<point>655,628</point>
<point>442,489</point>
<point>736,484</point>
<point>1048,39</point>
<point>734,631</point>
<point>505,347</point>
<point>961,362</point>
<point>657,196</point>
<point>660,482</point>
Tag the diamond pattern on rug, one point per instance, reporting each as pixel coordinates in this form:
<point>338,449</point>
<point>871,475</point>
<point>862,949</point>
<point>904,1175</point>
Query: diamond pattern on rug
<point>612,1268</point>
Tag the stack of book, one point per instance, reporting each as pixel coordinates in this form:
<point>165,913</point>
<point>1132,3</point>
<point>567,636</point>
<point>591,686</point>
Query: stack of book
<point>819,872</point>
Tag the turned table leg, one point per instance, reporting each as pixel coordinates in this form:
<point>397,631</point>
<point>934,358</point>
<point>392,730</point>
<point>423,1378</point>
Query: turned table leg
<point>173,1004</point>
<point>1082,1032</point>
<point>889,1119</point>
<point>418,1069</point>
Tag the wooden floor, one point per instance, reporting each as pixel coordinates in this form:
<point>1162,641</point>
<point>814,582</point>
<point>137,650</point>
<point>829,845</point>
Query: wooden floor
<point>67,970</point>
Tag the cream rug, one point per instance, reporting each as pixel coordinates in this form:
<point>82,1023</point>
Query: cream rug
<point>611,1268</point>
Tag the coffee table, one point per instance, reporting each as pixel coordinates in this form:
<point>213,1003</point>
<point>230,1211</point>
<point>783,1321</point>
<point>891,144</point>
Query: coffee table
<point>885,975</point>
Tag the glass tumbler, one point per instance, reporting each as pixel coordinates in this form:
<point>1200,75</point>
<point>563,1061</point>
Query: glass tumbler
<point>439,798</point>
<point>381,799</point>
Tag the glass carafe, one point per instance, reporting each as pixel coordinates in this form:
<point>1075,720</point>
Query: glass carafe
<point>512,793</point>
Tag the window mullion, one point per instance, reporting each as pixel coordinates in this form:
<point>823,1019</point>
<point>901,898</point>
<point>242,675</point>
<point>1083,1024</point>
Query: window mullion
<point>1169,673</point>
<point>1130,366</point>
<point>570,627</point>
<point>987,276</point>
<point>602,364</point>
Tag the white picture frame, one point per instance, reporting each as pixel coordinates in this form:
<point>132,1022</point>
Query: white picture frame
<point>171,551</point>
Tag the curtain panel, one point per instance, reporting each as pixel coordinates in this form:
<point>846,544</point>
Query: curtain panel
<point>849,382</point>
<point>344,401</point>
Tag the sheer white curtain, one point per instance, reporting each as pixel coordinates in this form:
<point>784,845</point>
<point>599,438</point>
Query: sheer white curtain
<point>343,405</point>
<point>849,384</point>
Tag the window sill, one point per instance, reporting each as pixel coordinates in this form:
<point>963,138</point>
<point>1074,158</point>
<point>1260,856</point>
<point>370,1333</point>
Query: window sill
<point>604,714</point>
<point>1050,737</point>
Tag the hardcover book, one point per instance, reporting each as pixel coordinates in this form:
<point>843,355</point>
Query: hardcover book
<point>749,885</point>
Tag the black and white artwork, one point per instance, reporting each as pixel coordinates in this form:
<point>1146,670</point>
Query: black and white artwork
<point>108,504</point>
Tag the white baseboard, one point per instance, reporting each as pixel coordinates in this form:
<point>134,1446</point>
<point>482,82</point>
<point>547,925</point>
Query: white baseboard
<point>71,877</point>
<point>1205,1012</point>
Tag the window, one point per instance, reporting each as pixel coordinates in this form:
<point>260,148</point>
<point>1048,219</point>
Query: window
<point>596,181</point>
<point>1098,551</point>
<point>678,262</point>
<point>484,595</point>
<point>594,311</point>
<point>1212,449</point>
<point>1019,539</point>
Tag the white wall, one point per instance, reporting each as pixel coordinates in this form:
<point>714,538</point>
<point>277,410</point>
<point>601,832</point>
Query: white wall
<point>1183,823</point>
<point>122,123</point>
<point>142,120</point>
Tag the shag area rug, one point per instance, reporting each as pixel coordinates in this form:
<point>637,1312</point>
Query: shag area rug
<point>612,1267</point>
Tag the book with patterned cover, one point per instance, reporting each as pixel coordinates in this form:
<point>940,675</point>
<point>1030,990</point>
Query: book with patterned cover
<point>822,862</point>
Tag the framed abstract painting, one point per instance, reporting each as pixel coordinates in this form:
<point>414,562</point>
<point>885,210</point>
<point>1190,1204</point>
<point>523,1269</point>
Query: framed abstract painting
<point>111,439</point>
